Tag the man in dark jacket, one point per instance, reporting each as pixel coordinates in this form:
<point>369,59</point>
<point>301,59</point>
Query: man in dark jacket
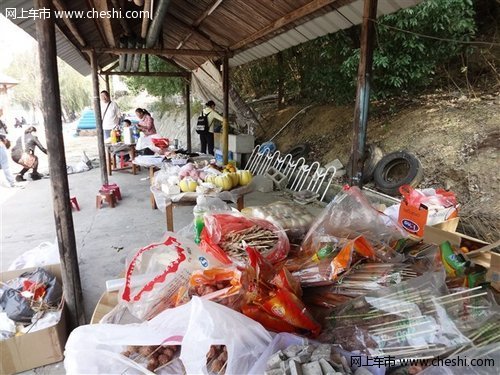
<point>23,153</point>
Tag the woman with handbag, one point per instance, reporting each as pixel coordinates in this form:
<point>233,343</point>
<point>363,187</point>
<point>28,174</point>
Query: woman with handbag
<point>23,153</point>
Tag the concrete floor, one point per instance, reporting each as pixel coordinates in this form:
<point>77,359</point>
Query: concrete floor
<point>104,237</point>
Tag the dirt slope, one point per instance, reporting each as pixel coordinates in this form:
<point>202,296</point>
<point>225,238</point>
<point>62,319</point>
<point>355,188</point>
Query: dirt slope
<point>456,138</point>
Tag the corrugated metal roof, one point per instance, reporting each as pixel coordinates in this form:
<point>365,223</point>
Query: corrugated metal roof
<point>234,24</point>
<point>338,19</point>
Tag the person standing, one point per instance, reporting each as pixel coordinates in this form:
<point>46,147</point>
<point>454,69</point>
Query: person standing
<point>23,153</point>
<point>207,138</point>
<point>4,160</point>
<point>110,114</point>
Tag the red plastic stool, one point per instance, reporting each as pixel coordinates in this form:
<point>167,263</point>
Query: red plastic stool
<point>105,196</point>
<point>74,203</point>
<point>114,188</point>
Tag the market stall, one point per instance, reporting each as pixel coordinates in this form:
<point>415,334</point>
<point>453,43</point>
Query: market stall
<point>349,291</point>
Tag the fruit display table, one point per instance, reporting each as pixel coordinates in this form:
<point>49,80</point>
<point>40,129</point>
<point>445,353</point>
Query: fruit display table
<point>121,149</point>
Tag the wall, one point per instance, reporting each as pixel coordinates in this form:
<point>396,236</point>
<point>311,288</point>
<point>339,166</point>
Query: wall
<point>173,126</point>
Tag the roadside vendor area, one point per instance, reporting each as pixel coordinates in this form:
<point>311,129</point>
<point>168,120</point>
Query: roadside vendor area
<point>285,285</point>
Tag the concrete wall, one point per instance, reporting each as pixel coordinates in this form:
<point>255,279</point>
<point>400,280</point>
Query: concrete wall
<point>173,126</point>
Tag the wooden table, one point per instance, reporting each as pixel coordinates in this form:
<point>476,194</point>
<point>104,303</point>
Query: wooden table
<point>169,209</point>
<point>112,166</point>
<point>152,171</point>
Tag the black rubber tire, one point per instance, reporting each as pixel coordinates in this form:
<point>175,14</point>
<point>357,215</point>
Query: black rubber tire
<point>373,154</point>
<point>299,151</point>
<point>384,177</point>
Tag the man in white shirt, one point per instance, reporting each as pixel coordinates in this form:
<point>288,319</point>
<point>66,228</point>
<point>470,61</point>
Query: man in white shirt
<point>110,114</point>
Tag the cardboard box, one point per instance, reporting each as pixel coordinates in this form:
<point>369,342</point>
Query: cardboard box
<point>34,349</point>
<point>415,219</point>
<point>493,275</point>
<point>106,303</point>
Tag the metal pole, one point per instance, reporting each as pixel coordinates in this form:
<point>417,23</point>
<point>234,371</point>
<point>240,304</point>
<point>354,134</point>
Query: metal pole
<point>225,115</point>
<point>188,115</point>
<point>98,119</point>
<point>51,107</point>
<point>363,92</point>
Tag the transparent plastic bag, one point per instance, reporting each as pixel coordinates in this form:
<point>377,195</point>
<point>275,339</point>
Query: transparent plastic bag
<point>196,326</point>
<point>226,236</point>
<point>350,215</point>
<point>408,319</point>
<point>293,218</point>
<point>164,268</point>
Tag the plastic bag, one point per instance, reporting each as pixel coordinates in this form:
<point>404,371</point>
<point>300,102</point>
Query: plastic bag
<point>333,258</point>
<point>226,235</point>
<point>165,267</point>
<point>44,254</point>
<point>283,341</point>
<point>409,319</point>
<point>293,218</point>
<point>35,290</point>
<point>273,298</point>
<point>95,349</point>
<point>350,215</point>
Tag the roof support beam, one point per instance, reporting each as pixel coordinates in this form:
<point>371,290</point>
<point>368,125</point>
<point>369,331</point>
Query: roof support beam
<point>51,108</point>
<point>301,12</point>
<point>148,74</point>
<point>363,92</point>
<point>160,51</point>
<point>70,24</point>
<point>102,6</point>
<point>199,20</point>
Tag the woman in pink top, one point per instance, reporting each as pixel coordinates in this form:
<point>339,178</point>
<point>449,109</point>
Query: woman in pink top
<point>147,124</point>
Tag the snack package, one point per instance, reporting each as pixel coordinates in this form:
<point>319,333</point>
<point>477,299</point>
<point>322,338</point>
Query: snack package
<point>221,285</point>
<point>460,271</point>
<point>350,215</point>
<point>226,235</point>
<point>163,269</point>
<point>332,259</point>
<point>273,299</point>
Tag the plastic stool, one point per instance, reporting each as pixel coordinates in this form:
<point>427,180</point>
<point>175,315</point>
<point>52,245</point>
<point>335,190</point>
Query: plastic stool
<point>114,188</point>
<point>105,196</point>
<point>74,203</point>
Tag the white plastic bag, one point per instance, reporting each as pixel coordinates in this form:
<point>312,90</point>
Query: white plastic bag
<point>44,254</point>
<point>95,349</point>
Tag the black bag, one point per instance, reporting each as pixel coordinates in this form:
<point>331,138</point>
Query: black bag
<point>202,124</point>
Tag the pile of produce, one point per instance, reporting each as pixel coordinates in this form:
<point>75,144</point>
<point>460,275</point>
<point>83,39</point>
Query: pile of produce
<point>201,178</point>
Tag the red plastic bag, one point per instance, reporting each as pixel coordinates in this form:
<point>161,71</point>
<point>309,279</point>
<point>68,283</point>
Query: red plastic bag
<point>226,235</point>
<point>161,142</point>
<point>273,299</point>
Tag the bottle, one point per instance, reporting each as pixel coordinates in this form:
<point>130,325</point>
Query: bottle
<point>113,136</point>
<point>199,223</point>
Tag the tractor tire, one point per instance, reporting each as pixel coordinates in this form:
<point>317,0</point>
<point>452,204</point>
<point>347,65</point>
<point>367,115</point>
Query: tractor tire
<point>397,169</point>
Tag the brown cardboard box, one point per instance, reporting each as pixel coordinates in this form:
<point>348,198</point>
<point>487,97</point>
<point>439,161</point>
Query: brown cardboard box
<point>106,303</point>
<point>493,275</point>
<point>40,348</point>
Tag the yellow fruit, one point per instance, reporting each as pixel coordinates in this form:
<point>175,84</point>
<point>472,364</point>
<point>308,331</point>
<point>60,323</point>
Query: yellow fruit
<point>210,179</point>
<point>188,185</point>
<point>235,178</point>
<point>224,182</point>
<point>245,177</point>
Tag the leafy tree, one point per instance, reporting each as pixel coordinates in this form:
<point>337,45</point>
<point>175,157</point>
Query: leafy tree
<point>74,88</point>
<point>158,86</point>
<point>325,69</point>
